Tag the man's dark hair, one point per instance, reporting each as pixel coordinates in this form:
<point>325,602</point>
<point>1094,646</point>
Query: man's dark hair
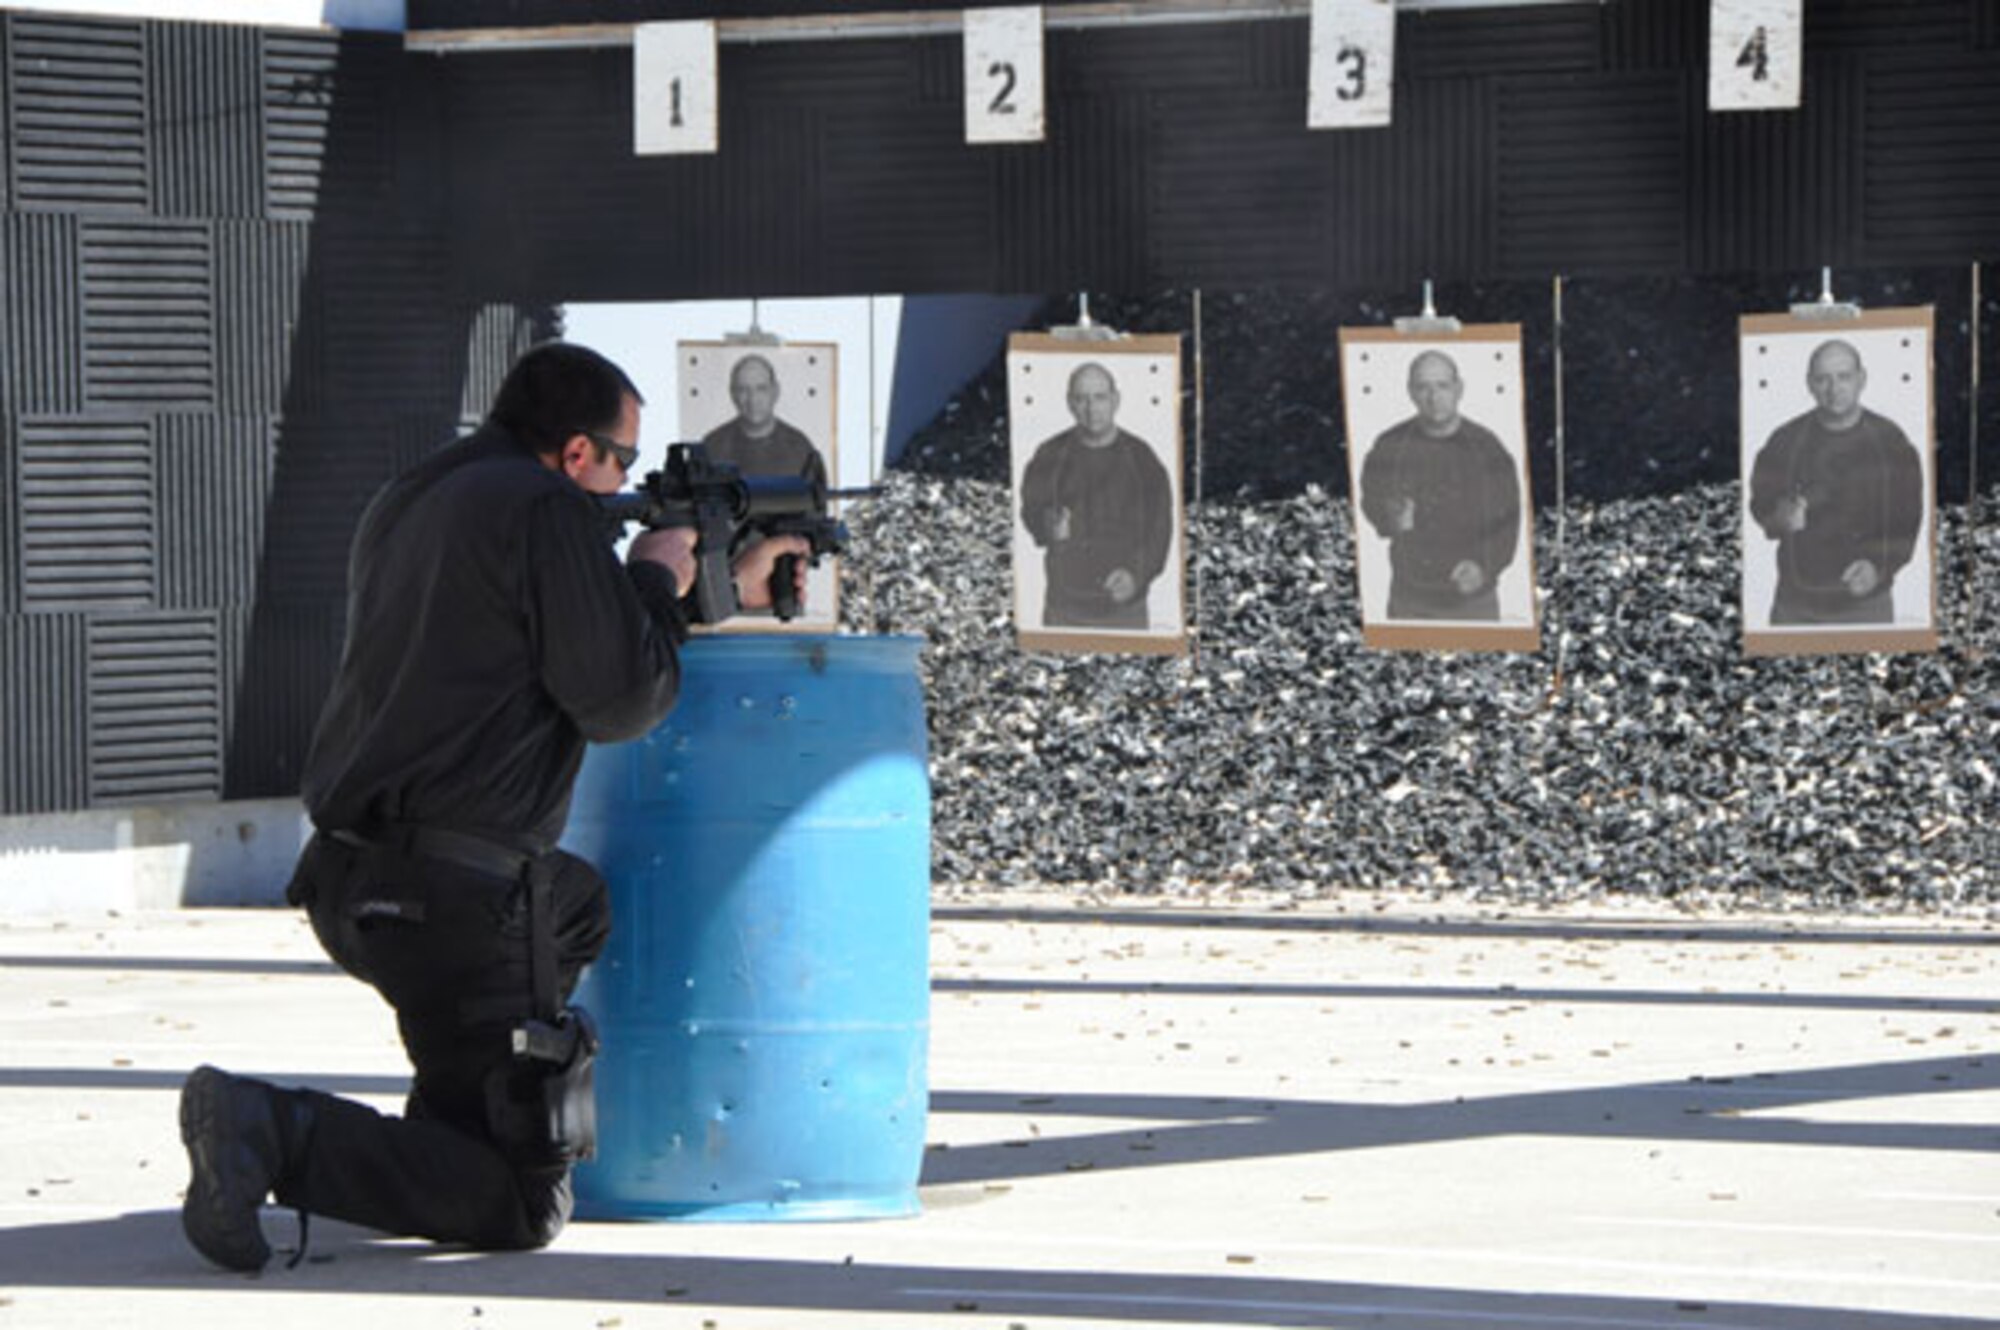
<point>558,389</point>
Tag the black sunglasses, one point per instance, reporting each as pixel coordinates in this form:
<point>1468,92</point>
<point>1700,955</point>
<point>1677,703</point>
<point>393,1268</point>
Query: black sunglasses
<point>626,455</point>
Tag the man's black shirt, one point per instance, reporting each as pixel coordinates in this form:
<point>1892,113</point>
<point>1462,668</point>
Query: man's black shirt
<point>491,633</point>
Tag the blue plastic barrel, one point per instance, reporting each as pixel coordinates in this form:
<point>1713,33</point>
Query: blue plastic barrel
<point>765,995</point>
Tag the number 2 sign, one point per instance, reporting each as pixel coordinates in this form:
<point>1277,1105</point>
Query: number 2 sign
<point>1353,52</point>
<point>1755,51</point>
<point>1003,75</point>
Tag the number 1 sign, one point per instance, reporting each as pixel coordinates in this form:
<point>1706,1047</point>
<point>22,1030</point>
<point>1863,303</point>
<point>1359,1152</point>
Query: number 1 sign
<point>1353,52</point>
<point>1755,51</point>
<point>673,87</point>
<point>1003,75</point>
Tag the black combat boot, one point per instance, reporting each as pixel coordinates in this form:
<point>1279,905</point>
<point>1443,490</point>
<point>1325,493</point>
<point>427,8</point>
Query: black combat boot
<point>242,1137</point>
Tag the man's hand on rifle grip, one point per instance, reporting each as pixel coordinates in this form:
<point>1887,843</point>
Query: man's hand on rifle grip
<point>755,566</point>
<point>673,547</point>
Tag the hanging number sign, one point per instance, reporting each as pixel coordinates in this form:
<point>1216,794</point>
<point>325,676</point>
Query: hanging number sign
<point>673,87</point>
<point>1003,75</point>
<point>1755,51</point>
<point>1353,53</point>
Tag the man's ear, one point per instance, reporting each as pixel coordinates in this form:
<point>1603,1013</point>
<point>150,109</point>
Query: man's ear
<point>574,456</point>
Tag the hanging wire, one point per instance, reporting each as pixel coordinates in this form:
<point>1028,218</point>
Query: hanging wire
<point>754,335</point>
<point>1194,633</point>
<point>1562,467</point>
<point>1085,329</point>
<point>1972,505</point>
<point>875,469</point>
<point>1430,321</point>
<point>1560,562</point>
<point>1826,308</point>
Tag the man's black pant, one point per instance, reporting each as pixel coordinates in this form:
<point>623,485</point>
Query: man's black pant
<point>448,947</point>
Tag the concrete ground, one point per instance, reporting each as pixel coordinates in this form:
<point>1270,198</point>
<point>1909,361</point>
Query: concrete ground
<point>1372,1112</point>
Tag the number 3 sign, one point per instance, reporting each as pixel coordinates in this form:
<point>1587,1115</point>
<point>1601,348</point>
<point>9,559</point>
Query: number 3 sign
<point>1353,52</point>
<point>1003,75</point>
<point>1754,54</point>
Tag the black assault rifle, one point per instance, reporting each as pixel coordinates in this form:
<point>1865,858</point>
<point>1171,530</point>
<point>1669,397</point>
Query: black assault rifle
<point>729,510</point>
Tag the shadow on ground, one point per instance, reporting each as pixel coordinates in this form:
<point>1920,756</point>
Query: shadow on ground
<point>144,1252</point>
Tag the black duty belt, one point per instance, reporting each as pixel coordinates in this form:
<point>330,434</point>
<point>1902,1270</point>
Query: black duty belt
<point>451,847</point>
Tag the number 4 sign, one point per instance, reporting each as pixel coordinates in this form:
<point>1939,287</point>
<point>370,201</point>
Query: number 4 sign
<point>1003,75</point>
<point>1353,53</point>
<point>1755,51</point>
